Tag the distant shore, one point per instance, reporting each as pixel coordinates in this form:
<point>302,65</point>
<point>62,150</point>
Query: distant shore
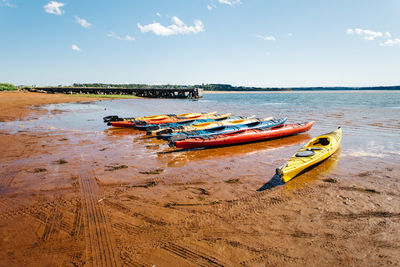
<point>301,92</point>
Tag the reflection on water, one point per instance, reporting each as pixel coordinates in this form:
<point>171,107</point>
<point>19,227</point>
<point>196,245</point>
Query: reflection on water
<point>122,131</point>
<point>315,172</point>
<point>178,158</point>
<point>311,174</point>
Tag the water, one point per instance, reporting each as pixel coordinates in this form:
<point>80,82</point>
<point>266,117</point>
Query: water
<point>370,122</point>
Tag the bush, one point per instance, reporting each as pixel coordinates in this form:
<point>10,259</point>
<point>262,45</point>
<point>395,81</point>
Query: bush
<point>7,87</point>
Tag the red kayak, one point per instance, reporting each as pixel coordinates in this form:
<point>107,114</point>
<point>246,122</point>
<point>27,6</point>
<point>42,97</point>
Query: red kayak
<point>244,136</point>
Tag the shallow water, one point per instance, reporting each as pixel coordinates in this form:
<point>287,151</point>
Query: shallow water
<point>370,122</point>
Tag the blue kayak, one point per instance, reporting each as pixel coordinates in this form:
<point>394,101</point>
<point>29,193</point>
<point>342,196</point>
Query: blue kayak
<point>222,130</point>
<point>152,127</point>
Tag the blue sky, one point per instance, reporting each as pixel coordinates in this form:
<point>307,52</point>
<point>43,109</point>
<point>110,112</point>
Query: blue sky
<point>240,42</point>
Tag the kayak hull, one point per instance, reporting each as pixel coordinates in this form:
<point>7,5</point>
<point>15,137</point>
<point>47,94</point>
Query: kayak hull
<point>315,151</point>
<point>178,118</point>
<point>244,136</point>
<point>153,129</point>
<point>209,125</point>
<point>224,129</point>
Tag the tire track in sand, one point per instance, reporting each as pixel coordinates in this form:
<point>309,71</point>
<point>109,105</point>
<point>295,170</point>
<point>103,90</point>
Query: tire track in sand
<point>192,256</point>
<point>99,243</point>
<point>52,223</point>
<point>77,227</point>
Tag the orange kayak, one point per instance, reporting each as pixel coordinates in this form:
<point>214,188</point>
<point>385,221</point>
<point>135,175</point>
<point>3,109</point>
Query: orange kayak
<point>190,116</point>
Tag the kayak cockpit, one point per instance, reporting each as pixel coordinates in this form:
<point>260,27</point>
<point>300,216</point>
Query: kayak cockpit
<point>323,141</point>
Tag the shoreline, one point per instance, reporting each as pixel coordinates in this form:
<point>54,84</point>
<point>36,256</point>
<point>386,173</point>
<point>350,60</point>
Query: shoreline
<point>16,105</point>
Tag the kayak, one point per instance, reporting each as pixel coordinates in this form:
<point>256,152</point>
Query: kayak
<point>154,128</point>
<point>116,118</point>
<point>243,136</point>
<point>315,151</point>
<point>177,118</point>
<point>209,125</point>
<point>223,130</point>
<point>151,128</point>
<point>168,119</point>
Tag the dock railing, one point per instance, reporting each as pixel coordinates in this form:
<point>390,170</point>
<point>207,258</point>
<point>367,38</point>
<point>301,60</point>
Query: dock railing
<point>140,92</point>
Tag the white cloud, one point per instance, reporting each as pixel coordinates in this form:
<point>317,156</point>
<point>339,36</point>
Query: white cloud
<point>290,34</point>
<point>178,27</point>
<point>350,31</point>
<point>267,38</point>
<point>210,7</point>
<point>391,42</point>
<point>229,2</point>
<point>54,7</point>
<point>7,3</point>
<point>117,37</point>
<point>158,14</point>
<point>372,35</point>
<point>83,22</point>
<point>367,34</point>
<point>75,48</point>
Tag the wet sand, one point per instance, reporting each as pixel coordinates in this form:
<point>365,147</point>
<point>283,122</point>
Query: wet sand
<point>89,199</point>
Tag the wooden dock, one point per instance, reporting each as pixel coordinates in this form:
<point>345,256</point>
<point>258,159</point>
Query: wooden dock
<point>141,92</point>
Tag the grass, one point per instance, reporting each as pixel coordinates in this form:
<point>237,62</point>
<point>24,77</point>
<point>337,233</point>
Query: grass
<point>203,191</point>
<point>36,170</point>
<point>7,87</point>
<point>367,190</point>
<point>60,161</point>
<point>154,171</point>
<point>117,167</point>
<point>232,181</point>
<point>173,204</point>
<point>147,185</point>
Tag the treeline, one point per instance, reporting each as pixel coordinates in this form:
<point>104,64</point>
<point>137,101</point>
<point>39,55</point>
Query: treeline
<point>7,87</point>
<point>228,87</point>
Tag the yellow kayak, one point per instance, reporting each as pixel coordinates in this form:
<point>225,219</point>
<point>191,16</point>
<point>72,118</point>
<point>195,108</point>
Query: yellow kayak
<point>212,124</point>
<point>191,115</point>
<point>216,118</point>
<point>315,151</point>
<point>157,117</point>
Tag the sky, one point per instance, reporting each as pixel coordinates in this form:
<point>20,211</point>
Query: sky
<point>271,43</point>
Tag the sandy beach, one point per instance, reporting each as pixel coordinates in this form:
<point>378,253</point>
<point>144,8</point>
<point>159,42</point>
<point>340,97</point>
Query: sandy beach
<point>75,198</point>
